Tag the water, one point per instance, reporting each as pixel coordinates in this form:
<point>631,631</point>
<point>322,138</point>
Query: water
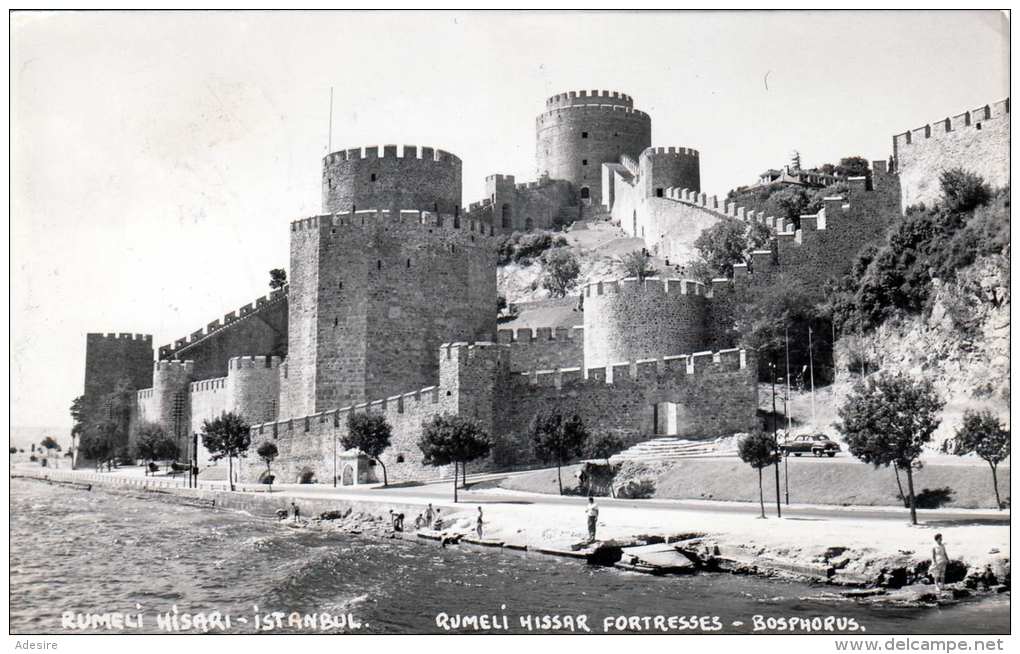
<point>99,552</point>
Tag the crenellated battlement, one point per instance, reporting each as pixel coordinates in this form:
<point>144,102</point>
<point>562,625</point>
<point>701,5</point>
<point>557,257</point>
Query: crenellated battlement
<point>426,153</point>
<point>214,384</point>
<point>174,366</point>
<point>638,371</point>
<point>370,217</point>
<point>99,336</point>
<point>969,120</point>
<point>527,335</point>
<point>571,98</point>
<point>248,362</point>
<point>591,109</point>
<point>264,302</point>
<point>661,286</point>
<point>675,151</point>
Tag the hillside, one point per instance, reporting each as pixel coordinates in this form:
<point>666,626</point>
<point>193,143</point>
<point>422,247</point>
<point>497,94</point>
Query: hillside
<point>962,345</point>
<point>597,245</point>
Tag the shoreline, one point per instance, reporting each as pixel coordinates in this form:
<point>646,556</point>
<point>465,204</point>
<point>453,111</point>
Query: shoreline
<point>892,575</point>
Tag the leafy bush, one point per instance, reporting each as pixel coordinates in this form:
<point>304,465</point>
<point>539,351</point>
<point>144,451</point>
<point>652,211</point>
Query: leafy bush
<point>523,248</point>
<point>635,264</point>
<point>637,489</point>
<point>926,243</point>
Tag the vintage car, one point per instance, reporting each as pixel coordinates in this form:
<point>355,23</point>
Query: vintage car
<point>817,444</point>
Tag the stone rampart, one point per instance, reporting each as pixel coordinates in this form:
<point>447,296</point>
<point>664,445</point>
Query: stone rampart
<point>976,140</point>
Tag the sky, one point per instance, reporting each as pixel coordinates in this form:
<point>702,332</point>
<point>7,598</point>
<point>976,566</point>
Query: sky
<point>158,158</point>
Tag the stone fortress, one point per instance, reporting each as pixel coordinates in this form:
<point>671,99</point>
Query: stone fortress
<point>391,302</point>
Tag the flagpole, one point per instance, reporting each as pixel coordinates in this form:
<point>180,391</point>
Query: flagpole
<point>329,143</point>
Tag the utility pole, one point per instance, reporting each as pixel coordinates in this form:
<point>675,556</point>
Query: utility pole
<point>811,365</point>
<point>334,460</point>
<point>786,407</point>
<point>775,439</point>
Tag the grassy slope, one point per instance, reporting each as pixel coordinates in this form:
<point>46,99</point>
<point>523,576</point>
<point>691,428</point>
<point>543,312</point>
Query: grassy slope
<point>812,481</point>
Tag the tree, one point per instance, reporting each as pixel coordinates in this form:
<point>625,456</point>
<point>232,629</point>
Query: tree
<point>981,433</point>
<point>369,433</point>
<point>963,191</point>
<point>561,271</point>
<point>556,439</point>
<point>50,443</point>
<point>227,436</point>
<point>604,446</point>
<point>887,420</point>
<point>853,167</point>
<point>99,441</point>
<point>722,245</point>
<point>452,439</point>
<point>268,452</point>
<point>152,443</point>
<point>635,264</point>
<point>759,451</point>
<point>277,278</point>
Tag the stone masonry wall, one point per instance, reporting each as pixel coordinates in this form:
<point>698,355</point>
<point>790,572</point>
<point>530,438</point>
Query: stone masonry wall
<point>257,328</point>
<point>629,319</point>
<point>715,395</point>
<point>577,134</point>
<point>112,358</point>
<point>373,294</point>
<point>427,179</point>
<point>469,377</point>
<point>977,141</point>
<point>544,348</point>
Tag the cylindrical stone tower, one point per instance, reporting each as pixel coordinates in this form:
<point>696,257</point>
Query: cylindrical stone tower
<point>172,398</point>
<point>581,130</point>
<point>628,320</point>
<point>418,178</point>
<point>665,167</point>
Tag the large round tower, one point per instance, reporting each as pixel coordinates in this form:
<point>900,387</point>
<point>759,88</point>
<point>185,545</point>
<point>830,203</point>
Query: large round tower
<point>417,178</point>
<point>581,130</point>
<point>631,319</point>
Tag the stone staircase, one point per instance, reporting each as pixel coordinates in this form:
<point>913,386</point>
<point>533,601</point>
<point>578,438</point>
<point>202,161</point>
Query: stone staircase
<point>671,447</point>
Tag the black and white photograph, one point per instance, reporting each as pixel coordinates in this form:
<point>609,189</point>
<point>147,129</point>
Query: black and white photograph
<point>510,323</point>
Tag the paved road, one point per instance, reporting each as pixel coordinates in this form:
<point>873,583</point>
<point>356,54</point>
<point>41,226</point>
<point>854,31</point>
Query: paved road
<point>482,490</point>
<point>442,492</point>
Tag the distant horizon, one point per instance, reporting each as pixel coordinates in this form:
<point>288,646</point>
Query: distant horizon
<point>158,159</point>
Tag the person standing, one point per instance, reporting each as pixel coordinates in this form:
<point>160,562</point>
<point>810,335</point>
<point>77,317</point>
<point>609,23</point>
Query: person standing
<point>593,518</point>
<point>478,523</point>
<point>296,510</point>
<point>939,563</point>
<point>429,516</point>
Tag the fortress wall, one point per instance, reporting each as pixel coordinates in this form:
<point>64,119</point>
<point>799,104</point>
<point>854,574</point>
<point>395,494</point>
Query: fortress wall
<point>628,319</point>
<point>543,348</point>
<point>469,377</point>
<point>827,243</point>
<point>391,178</point>
<point>976,140</point>
<point>209,400</point>
<point>574,140</point>
<point>512,207</point>
<point>374,294</point>
<point>714,395</point>
<point>259,327</point>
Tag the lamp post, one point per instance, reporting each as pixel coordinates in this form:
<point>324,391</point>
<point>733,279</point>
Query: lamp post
<point>334,460</point>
